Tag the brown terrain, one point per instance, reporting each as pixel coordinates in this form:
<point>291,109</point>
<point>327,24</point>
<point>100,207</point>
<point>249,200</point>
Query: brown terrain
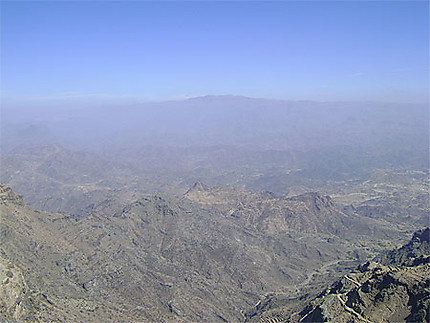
<point>210,255</point>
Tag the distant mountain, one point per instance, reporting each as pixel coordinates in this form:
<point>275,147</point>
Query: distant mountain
<point>220,120</point>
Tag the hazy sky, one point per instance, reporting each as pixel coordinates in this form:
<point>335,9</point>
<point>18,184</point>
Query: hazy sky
<point>125,51</point>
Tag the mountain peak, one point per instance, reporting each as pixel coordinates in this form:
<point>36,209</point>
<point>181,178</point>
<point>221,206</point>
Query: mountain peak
<point>198,186</point>
<point>221,97</point>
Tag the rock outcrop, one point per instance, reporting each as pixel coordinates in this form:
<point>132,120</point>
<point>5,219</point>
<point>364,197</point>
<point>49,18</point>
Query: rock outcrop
<point>8,196</point>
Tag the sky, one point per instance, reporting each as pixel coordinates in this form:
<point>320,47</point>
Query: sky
<point>131,51</point>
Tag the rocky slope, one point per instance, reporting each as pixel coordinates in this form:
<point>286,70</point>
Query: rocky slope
<point>398,291</point>
<point>375,294</point>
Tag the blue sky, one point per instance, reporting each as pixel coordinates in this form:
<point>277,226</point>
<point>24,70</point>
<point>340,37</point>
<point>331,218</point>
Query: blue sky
<point>108,51</point>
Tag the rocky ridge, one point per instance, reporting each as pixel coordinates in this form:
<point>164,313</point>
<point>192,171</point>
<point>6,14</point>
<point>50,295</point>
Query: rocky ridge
<point>275,215</point>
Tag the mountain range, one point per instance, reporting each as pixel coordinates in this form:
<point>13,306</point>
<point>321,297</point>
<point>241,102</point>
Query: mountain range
<point>197,257</point>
